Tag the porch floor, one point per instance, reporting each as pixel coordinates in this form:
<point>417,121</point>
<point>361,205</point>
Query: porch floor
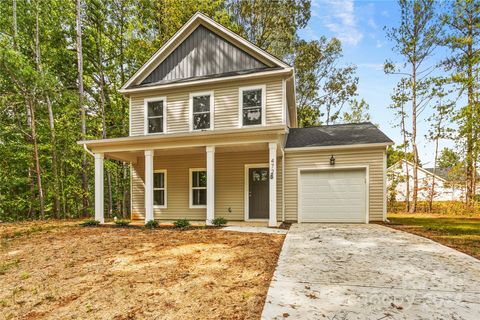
<point>198,223</point>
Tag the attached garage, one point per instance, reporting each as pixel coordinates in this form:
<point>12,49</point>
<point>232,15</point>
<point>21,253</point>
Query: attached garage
<point>335,173</point>
<point>333,195</point>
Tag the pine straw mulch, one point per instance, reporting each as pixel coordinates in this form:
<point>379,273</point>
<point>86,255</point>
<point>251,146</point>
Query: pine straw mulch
<point>114,273</point>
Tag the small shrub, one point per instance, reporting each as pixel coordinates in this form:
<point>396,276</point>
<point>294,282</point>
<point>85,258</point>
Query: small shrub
<point>181,223</point>
<point>220,221</point>
<point>151,224</point>
<point>90,223</point>
<point>122,223</point>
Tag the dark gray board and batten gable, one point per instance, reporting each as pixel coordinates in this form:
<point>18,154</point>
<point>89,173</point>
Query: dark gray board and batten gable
<point>203,53</point>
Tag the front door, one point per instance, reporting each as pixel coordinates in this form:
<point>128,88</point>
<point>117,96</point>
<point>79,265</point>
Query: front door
<point>258,194</point>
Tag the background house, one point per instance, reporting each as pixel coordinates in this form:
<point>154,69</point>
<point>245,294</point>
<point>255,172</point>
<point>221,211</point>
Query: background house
<point>448,185</point>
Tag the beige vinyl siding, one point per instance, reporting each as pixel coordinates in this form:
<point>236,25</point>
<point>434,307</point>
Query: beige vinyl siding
<point>230,182</point>
<point>229,185</point>
<point>226,105</point>
<point>177,187</point>
<point>310,159</point>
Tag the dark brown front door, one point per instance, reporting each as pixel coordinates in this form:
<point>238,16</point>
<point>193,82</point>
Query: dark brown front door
<point>258,193</point>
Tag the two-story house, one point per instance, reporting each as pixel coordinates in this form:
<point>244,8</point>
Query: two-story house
<point>213,133</point>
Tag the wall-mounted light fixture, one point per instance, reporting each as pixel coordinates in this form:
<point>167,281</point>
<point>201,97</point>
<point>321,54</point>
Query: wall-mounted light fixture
<point>332,160</point>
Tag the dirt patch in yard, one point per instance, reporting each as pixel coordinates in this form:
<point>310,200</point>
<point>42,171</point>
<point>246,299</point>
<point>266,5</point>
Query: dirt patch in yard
<point>114,273</point>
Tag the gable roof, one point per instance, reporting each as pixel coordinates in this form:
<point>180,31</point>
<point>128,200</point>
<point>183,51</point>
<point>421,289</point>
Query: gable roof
<point>427,171</point>
<point>159,69</point>
<point>439,172</point>
<point>336,135</point>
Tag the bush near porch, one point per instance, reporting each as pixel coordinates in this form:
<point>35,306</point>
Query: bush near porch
<point>62,270</point>
<point>456,231</point>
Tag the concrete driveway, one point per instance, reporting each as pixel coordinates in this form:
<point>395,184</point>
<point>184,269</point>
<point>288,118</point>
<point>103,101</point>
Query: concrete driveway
<point>370,272</point>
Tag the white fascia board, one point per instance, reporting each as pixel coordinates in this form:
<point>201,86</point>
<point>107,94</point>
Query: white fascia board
<point>338,147</point>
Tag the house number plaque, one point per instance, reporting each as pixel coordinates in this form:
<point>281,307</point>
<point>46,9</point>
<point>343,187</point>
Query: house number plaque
<point>272,168</point>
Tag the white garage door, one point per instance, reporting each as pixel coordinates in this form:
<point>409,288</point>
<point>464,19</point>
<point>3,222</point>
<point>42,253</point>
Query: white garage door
<point>332,196</point>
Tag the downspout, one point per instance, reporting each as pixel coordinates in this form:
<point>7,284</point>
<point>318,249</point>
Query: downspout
<point>88,151</point>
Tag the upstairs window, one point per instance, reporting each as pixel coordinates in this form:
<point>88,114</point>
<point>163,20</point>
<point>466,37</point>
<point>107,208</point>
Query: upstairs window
<point>160,188</point>
<point>201,106</point>
<point>198,188</point>
<point>155,115</point>
<point>252,106</point>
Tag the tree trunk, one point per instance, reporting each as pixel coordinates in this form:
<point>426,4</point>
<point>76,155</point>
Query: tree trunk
<point>413,207</point>
<point>405,153</point>
<point>31,179</point>
<point>15,26</point>
<point>432,191</point>
<point>470,170</point>
<point>38,170</point>
<point>56,188</point>
<point>56,201</point>
<point>82,108</point>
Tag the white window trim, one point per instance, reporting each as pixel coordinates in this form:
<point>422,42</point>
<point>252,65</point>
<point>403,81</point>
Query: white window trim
<point>145,114</point>
<point>190,188</point>
<point>165,186</point>
<point>263,87</point>
<point>212,109</point>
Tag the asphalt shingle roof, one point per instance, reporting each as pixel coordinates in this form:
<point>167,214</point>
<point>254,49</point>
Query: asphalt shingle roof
<point>336,135</point>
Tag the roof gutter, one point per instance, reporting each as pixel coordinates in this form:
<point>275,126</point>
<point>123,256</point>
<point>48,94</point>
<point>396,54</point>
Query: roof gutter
<point>339,147</point>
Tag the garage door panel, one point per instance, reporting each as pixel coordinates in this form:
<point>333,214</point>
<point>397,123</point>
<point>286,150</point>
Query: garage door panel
<point>333,196</point>
<point>332,199</point>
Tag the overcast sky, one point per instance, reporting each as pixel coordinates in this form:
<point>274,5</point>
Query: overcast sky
<point>360,27</point>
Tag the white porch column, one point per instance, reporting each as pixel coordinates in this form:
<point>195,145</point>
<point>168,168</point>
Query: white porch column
<point>99,212</point>
<point>272,160</point>
<point>148,185</point>
<point>210,184</point>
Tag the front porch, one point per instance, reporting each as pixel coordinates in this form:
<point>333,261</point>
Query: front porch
<point>202,223</point>
<point>241,182</point>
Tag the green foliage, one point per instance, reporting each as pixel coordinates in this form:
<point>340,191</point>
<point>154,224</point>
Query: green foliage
<point>271,25</point>
<point>359,112</point>
<point>90,223</point>
<point>448,158</point>
<point>395,154</point>
<point>219,221</point>
<point>181,223</point>
<point>322,88</point>
<point>449,208</point>
<point>151,224</point>
<point>122,222</point>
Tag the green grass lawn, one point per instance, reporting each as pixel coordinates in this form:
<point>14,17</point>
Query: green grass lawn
<point>461,233</point>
